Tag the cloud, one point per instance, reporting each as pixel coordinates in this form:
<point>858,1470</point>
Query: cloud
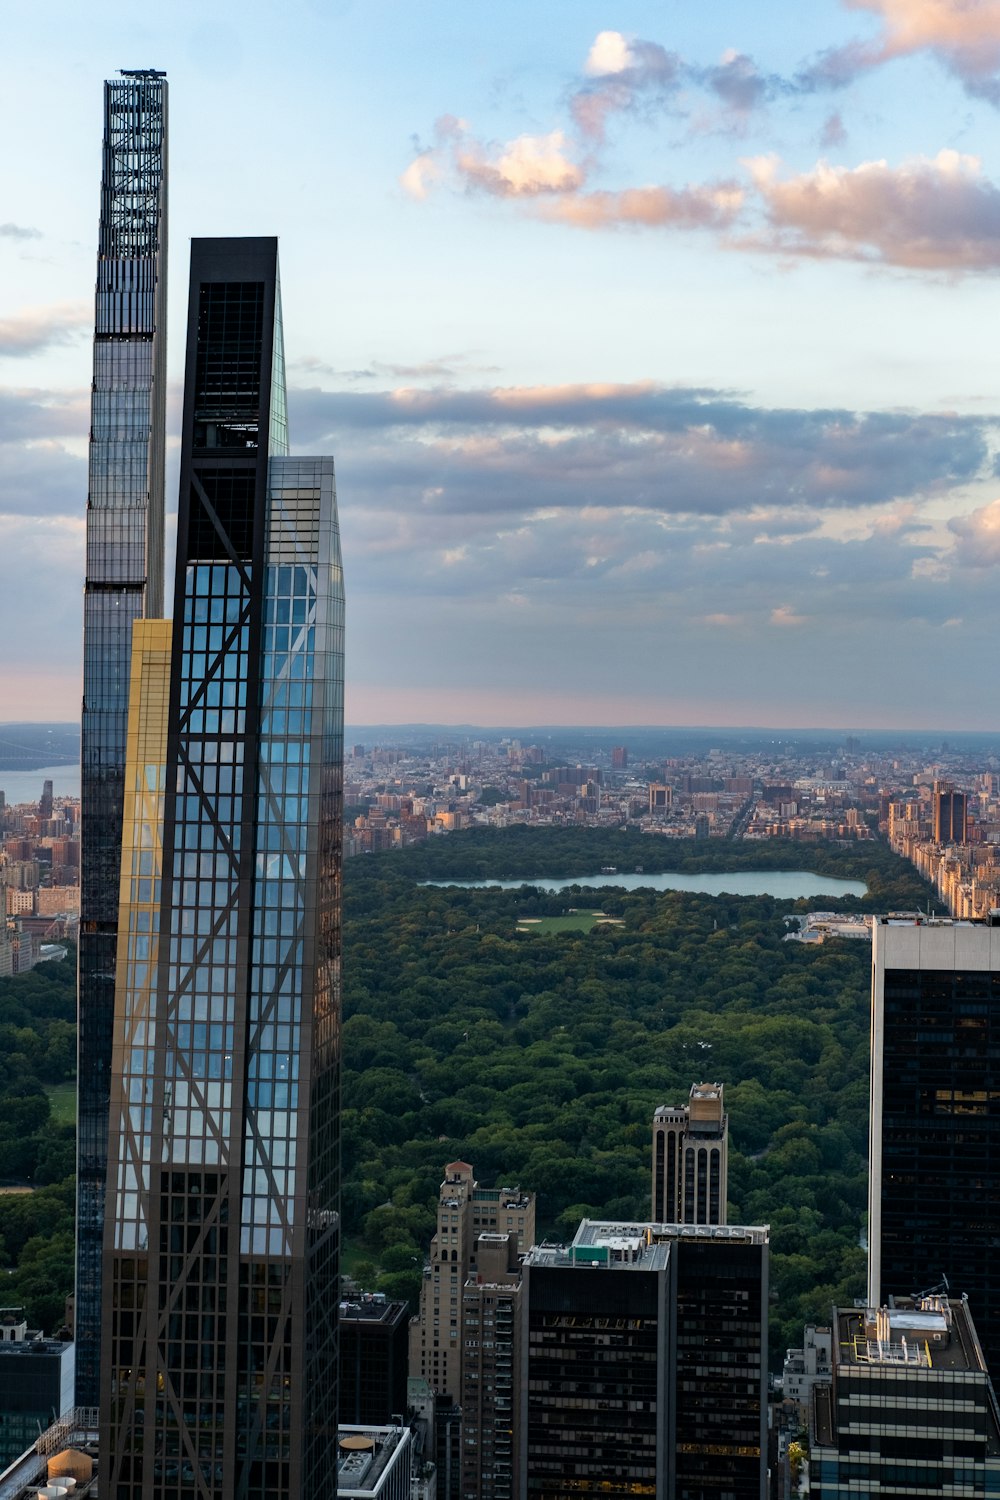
<point>609,55</point>
<point>626,75</point>
<point>34,329</point>
<point>707,206</point>
<point>784,615</point>
<point>507,452</point>
<point>978,536</point>
<point>423,173</point>
<point>34,415</point>
<point>449,366</point>
<point>525,167</point>
<point>19,232</point>
<point>964,35</point>
<point>834,132</point>
<point>739,84</point>
<point>936,213</point>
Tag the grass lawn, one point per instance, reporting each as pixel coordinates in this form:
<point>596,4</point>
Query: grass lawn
<point>573,921</point>
<point>62,1101</point>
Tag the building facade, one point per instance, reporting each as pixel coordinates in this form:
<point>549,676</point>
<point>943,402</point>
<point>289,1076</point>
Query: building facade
<point>934,1181</point>
<point>909,1410</point>
<point>374,1350</point>
<point>462,1341</point>
<point>36,1383</point>
<point>691,1159</point>
<point>950,814</point>
<point>124,582</point>
<point>491,1370</point>
<point>465,1211</point>
<point>222,1239</point>
<point>644,1364</point>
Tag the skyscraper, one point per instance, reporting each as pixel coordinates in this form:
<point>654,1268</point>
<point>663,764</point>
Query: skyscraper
<point>934,1193</point>
<point>644,1363</point>
<point>463,1338</point>
<point>691,1159</point>
<point>222,1242</point>
<point>950,814</point>
<point>124,582</point>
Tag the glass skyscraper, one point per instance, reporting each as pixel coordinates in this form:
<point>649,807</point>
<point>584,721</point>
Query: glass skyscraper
<point>222,1239</point>
<point>124,582</point>
<point>934,1180</point>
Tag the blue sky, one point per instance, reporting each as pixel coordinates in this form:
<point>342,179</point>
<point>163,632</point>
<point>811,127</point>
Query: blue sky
<point>655,343</point>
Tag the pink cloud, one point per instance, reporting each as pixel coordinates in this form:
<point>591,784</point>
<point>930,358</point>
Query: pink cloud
<point>525,167</point>
<point>36,328</point>
<point>963,34</point>
<point>978,536</point>
<point>926,214</point>
<point>966,32</point>
<point>709,206</point>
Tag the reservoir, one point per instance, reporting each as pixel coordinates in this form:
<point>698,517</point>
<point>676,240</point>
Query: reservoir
<point>786,885</point>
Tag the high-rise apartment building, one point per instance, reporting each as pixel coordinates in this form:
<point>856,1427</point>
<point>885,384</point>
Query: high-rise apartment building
<point>950,814</point>
<point>644,1364</point>
<point>691,1159</point>
<point>465,1211</point>
<point>124,582</point>
<point>462,1342</point>
<point>222,1241</point>
<point>490,1370</point>
<point>908,1409</point>
<point>934,1193</point>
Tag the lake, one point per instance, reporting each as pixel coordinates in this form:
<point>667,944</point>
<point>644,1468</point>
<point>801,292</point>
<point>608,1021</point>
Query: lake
<point>787,885</point>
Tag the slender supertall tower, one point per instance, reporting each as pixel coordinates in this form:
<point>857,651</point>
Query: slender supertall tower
<point>124,581</point>
<point>222,1236</point>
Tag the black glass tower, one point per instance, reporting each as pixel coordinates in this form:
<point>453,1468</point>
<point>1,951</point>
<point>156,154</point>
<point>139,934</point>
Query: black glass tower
<point>934,1196</point>
<point>124,582</point>
<point>644,1364</point>
<point>222,1239</point>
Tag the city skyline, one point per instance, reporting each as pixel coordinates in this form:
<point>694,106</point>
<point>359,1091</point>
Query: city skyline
<point>656,350</point>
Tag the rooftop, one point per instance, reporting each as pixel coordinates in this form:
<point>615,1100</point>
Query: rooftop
<point>640,1247</point>
<point>373,1307</point>
<point>365,1455</point>
<point>936,1334</point>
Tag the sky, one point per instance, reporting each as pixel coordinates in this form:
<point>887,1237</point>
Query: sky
<point>655,343</point>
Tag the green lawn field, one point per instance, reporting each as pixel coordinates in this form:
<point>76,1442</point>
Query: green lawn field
<point>62,1101</point>
<point>574,921</point>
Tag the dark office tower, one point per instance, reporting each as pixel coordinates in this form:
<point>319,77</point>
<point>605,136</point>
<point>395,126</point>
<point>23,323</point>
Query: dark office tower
<point>691,1159</point>
<point>374,1344</point>
<point>934,1194</point>
<point>124,581</point>
<point>644,1364</point>
<point>45,800</point>
<point>950,821</point>
<point>222,1242</point>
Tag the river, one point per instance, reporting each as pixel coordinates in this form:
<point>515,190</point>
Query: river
<point>26,786</point>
